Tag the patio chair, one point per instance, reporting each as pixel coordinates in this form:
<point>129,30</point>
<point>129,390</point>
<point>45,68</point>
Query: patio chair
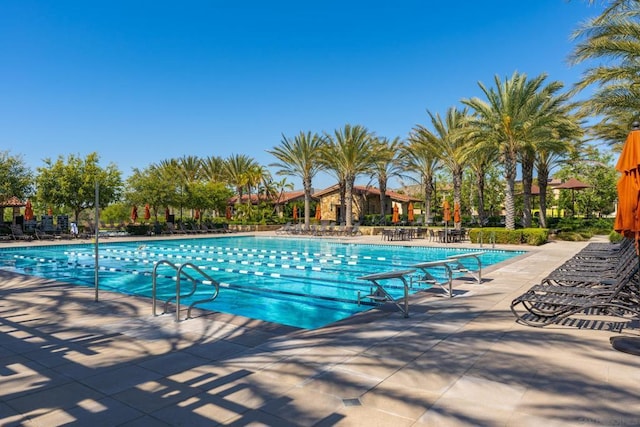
<point>41,235</point>
<point>18,234</point>
<point>546,304</point>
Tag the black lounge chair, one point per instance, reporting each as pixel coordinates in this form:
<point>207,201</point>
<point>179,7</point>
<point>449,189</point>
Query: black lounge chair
<point>546,304</point>
<point>41,235</point>
<point>18,234</point>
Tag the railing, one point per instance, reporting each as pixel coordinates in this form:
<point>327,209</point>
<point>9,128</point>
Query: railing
<point>492,238</point>
<point>179,268</point>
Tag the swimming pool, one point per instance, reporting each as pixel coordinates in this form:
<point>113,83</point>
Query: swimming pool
<point>307,283</point>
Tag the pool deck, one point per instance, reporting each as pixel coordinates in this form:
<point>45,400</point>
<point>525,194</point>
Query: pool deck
<point>66,359</point>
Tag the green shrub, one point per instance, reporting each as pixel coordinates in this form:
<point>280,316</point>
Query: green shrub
<point>530,236</point>
<point>138,229</point>
<point>615,237</point>
<point>571,236</point>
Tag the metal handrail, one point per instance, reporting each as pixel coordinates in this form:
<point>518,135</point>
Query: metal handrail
<point>179,273</point>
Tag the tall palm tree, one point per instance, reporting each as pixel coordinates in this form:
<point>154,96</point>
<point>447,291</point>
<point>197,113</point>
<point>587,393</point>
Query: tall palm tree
<point>480,157</point>
<point>513,116</point>
<point>416,158</point>
<point>348,152</point>
<point>213,169</point>
<point>446,142</point>
<point>386,165</point>
<point>236,168</point>
<point>301,157</point>
<point>613,39</point>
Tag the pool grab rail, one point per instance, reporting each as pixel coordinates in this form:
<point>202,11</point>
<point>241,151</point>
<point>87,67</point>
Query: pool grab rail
<point>452,264</point>
<point>179,273</point>
<point>381,295</point>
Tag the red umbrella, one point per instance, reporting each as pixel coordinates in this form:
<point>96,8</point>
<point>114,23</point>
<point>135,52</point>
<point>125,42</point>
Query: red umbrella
<point>166,214</point>
<point>134,213</point>
<point>446,211</point>
<point>456,213</point>
<point>28,211</point>
<point>410,217</point>
<point>627,220</point>
<point>197,214</point>
<point>395,217</point>
<point>318,212</point>
<point>147,212</point>
<point>228,213</point>
<point>295,212</point>
<point>49,211</point>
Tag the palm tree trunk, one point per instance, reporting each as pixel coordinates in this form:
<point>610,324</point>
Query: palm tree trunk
<point>382,185</point>
<point>543,177</point>
<point>457,190</point>
<point>428,196</point>
<point>343,203</point>
<point>348,200</point>
<point>307,203</point>
<point>527,180</point>
<point>480,182</point>
<point>509,200</point>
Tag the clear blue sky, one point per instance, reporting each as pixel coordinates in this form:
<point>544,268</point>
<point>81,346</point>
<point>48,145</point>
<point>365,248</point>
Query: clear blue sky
<point>143,81</point>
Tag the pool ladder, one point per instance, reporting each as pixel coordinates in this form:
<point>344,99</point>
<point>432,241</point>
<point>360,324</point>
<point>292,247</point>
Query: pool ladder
<point>492,238</point>
<point>179,268</point>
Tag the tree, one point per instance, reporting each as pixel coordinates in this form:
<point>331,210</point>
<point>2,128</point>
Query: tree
<point>612,39</point>
<point>72,184</point>
<point>416,158</point>
<point>155,185</point>
<point>16,179</point>
<point>516,114</point>
<point>300,157</point>
<point>386,165</point>
<point>348,152</point>
<point>236,168</point>
<point>446,142</point>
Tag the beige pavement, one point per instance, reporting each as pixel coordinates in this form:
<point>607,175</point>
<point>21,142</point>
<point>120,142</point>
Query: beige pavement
<point>65,359</point>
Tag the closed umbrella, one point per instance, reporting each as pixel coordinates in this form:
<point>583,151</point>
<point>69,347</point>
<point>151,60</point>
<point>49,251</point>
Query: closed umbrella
<point>295,212</point>
<point>147,212</point>
<point>446,212</point>
<point>134,213</point>
<point>318,212</point>
<point>166,214</point>
<point>627,220</point>
<point>410,216</point>
<point>28,211</point>
<point>395,217</point>
<point>196,215</point>
<point>228,213</point>
<point>456,213</point>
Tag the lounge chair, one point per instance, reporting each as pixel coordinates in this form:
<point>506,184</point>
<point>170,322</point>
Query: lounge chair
<point>18,234</point>
<point>41,235</point>
<point>546,304</point>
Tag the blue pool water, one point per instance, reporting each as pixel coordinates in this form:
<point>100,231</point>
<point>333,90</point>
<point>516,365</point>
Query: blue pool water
<point>307,283</point>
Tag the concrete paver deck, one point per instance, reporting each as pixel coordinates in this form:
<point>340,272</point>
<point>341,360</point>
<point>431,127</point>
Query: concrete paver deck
<point>65,359</point>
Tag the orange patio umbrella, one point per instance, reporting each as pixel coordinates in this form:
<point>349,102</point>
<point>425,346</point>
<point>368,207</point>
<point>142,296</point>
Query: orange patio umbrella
<point>295,212</point>
<point>228,213</point>
<point>166,214</point>
<point>147,212</point>
<point>196,215</point>
<point>446,211</point>
<point>410,216</point>
<point>627,220</point>
<point>395,217</point>
<point>134,213</point>
<point>318,212</point>
<point>28,211</point>
<point>456,213</point>
<point>49,211</point>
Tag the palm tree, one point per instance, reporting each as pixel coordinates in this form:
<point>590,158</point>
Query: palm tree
<point>300,157</point>
<point>515,115</point>
<point>213,169</point>
<point>480,156</point>
<point>416,158</point>
<point>386,165</point>
<point>236,168</point>
<point>447,143</point>
<point>348,153</point>
<point>613,38</point>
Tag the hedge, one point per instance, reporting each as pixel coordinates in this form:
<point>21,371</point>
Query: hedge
<point>530,236</point>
